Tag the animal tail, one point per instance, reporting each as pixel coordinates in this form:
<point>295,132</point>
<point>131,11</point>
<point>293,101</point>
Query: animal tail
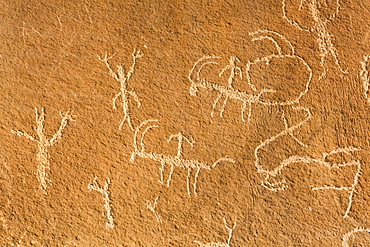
<point>276,38</point>
<point>194,72</point>
<point>139,147</point>
<point>222,160</point>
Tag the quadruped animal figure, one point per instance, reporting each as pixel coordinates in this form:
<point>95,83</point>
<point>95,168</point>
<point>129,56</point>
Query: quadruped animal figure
<point>171,160</point>
<point>284,51</point>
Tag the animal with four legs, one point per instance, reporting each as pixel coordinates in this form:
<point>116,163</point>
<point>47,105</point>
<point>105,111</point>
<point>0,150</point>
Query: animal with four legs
<point>171,160</point>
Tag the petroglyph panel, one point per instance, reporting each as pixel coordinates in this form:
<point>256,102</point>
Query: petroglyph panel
<point>184,123</point>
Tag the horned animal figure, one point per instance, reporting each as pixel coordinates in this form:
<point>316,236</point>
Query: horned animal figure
<point>255,96</point>
<point>171,160</point>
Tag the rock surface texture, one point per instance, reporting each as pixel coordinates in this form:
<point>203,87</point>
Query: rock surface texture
<point>185,123</point>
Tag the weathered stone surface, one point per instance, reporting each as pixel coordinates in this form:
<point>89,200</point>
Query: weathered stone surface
<point>184,123</point>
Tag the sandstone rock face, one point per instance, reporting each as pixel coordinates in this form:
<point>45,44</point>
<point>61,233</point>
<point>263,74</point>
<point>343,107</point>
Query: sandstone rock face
<point>184,123</point>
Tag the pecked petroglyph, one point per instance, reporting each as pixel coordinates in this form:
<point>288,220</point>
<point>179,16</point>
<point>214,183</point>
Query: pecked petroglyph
<point>123,78</point>
<point>27,31</point>
<point>281,185</point>
<point>220,244</point>
<point>172,160</point>
<point>152,208</point>
<point>94,185</point>
<point>43,144</point>
<point>346,237</point>
<point>324,39</point>
<point>234,70</point>
<point>227,91</point>
<point>284,51</point>
<point>246,98</point>
<point>364,76</point>
<point>351,189</point>
<point>293,159</point>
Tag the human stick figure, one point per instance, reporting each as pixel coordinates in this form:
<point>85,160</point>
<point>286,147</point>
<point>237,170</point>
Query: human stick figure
<point>43,144</point>
<point>324,37</point>
<point>123,78</point>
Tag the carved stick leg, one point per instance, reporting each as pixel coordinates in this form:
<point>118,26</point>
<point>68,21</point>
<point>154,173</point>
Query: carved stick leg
<point>114,100</point>
<point>223,107</point>
<point>215,104</point>
<point>188,181</point>
<point>161,171</point>
<point>170,175</point>
<point>196,181</point>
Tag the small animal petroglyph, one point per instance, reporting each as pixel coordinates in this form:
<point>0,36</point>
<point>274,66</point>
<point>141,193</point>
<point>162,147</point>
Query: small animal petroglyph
<point>123,78</point>
<point>348,235</point>
<point>43,144</point>
<point>247,99</point>
<point>152,206</point>
<point>94,185</point>
<point>172,160</point>
<point>364,76</point>
<point>218,244</point>
<point>324,39</point>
